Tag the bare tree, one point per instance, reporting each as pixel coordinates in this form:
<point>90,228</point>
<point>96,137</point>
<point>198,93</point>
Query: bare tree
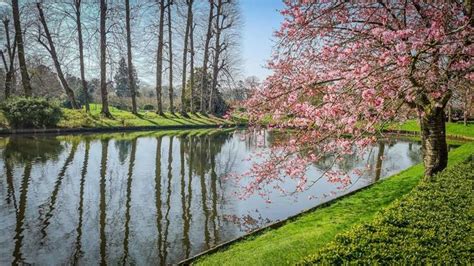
<point>77,6</point>
<point>170,56</point>
<point>217,52</point>
<point>25,78</point>
<point>131,83</point>
<point>189,3</point>
<point>225,20</point>
<point>206,55</point>
<point>191,63</point>
<point>9,67</point>
<point>103,46</point>
<point>159,60</point>
<point>52,51</point>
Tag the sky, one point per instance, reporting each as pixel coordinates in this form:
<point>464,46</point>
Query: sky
<point>260,18</point>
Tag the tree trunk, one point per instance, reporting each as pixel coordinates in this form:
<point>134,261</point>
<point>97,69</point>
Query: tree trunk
<point>467,105</point>
<point>202,106</point>
<point>191,63</point>
<point>159,60</point>
<point>378,164</point>
<point>103,44</point>
<point>170,55</point>
<point>450,113</point>
<point>9,74</point>
<point>433,140</point>
<point>54,56</point>
<point>8,83</point>
<point>25,78</point>
<point>10,69</point>
<point>131,82</point>
<point>215,65</point>
<point>81,55</point>
<point>185,55</point>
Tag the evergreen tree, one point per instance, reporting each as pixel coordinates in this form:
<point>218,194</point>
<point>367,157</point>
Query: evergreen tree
<point>220,105</point>
<point>121,80</point>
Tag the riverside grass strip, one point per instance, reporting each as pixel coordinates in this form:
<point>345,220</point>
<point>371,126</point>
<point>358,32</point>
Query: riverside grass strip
<point>311,232</point>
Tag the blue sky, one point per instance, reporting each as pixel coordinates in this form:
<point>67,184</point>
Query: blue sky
<point>261,18</point>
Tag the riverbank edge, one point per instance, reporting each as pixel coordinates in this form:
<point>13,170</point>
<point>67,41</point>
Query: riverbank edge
<point>62,131</point>
<point>222,247</point>
<point>418,134</point>
<point>271,226</point>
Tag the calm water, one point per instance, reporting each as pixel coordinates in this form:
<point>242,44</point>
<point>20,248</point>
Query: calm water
<point>148,197</point>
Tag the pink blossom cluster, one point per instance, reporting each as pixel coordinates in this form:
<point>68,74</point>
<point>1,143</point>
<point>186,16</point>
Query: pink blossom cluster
<point>345,68</point>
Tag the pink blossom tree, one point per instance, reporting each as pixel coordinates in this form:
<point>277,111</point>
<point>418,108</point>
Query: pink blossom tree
<point>346,68</point>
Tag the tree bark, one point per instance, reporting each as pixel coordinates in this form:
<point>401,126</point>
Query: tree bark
<point>185,55</point>
<point>467,105</point>
<point>215,64</point>
<point>159,60</point>
<point>191,63</point>
<point>131,82</point>
<point>378,164</point>
<point>450,113</point>
<point>10,71</point>
<point>52,51</point>
<point>202,106</point>
<point>25,78</point>
<point>103,44</point>
<point>81,54</point>
<point>433,139</point>
<point>170,55</point>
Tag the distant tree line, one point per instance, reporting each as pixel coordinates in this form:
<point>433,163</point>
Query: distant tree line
<point>84,51</point>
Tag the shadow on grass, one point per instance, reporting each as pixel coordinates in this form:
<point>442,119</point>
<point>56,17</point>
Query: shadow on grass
<point>142,117</point>
<point>185,115</point>
<point>202,114</point>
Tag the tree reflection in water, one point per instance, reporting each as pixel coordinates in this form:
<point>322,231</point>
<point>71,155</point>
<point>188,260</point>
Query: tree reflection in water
<point>144,197</point>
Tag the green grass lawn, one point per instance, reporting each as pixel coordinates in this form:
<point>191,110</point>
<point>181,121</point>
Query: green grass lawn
<point>310,232</point>
<point>452,129</point>
<point>81,119</point>
<point>430,225</point>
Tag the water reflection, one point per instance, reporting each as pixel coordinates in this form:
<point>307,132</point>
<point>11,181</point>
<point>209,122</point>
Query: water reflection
<point>148,197</point>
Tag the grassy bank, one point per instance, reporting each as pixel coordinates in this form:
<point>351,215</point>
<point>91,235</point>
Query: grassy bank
<point>452,129</point>
<point>311,232</point>
<point>81,119</point>
<point>432,224</point>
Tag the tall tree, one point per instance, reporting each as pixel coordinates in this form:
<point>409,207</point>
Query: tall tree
<point>10,49</point>
<point>77,6</point>
<point>131,83</point>
<point>191,66</point>
<point>170,56</point>
<point>159,60</point>
<point>189,15</point>
<point>25,78</point>
<point>202,106</point>
<point>223,21</point>
<point>52,51</point>
<point>103,46</point>
<point>191,63</point>
<point>217,48</point>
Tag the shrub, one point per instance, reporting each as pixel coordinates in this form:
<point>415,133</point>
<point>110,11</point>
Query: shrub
<point>431,224</point>
<point>31,112</point>
<point>148,107</point>
<point>122,106</point>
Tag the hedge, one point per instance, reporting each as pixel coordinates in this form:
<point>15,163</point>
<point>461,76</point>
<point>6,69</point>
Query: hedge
<point>24,112</point>
<point>431,224</point>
